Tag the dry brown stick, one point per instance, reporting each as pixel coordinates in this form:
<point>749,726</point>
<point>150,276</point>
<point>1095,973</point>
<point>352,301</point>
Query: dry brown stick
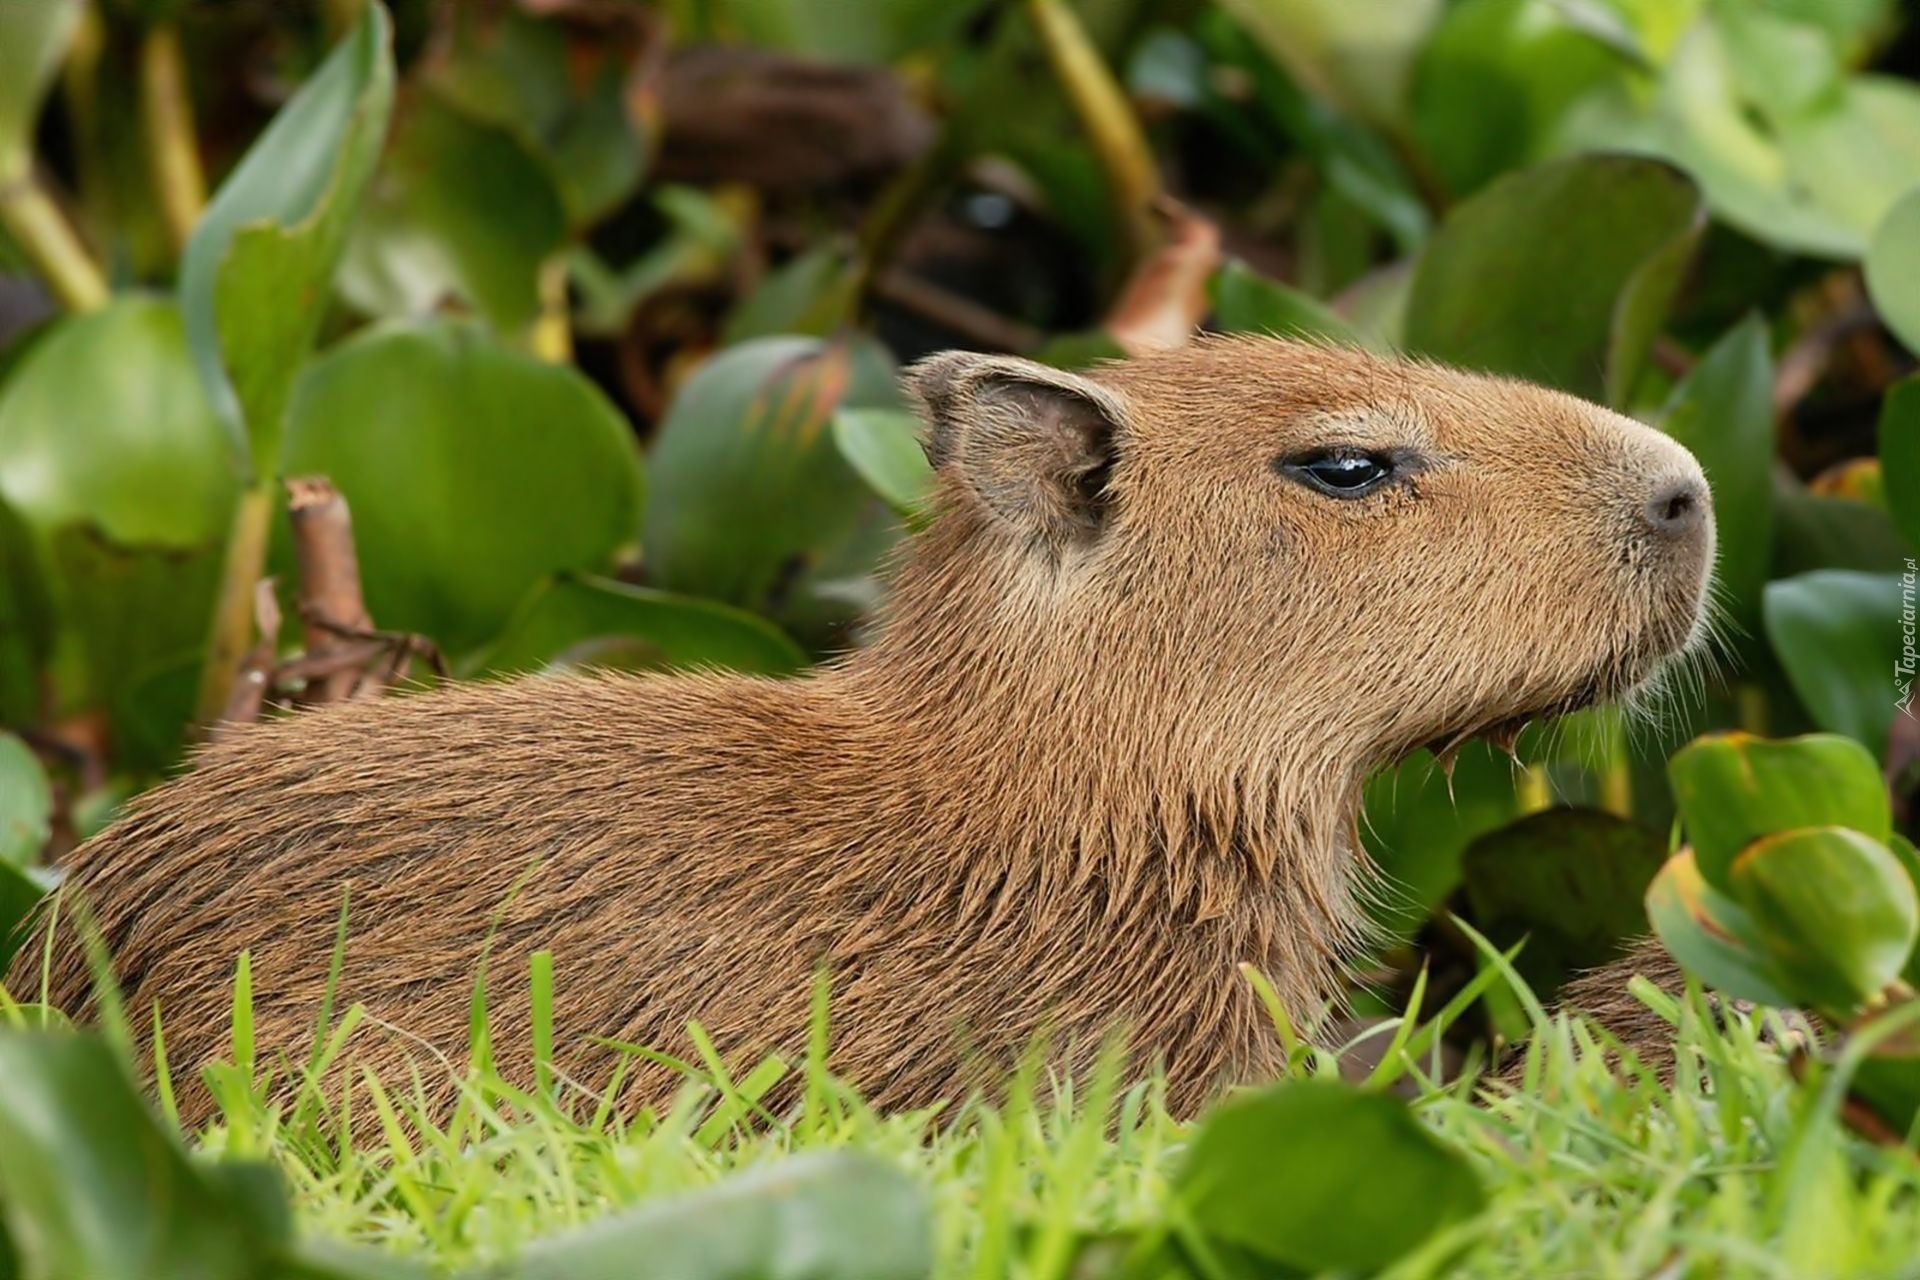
<point>963,316</point>
<point>249,692</point>
<point>332,608</point>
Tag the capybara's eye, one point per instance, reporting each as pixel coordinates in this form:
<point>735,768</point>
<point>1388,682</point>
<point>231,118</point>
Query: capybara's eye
<point>1340,473</point>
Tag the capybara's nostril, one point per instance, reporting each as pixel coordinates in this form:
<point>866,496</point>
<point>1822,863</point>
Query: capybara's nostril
<point>1677,509</point>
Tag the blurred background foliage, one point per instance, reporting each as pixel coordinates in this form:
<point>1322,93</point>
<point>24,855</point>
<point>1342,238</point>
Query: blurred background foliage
<point>592,308</point>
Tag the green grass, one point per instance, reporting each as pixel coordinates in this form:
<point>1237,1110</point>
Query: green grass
<point>1592,1169</point>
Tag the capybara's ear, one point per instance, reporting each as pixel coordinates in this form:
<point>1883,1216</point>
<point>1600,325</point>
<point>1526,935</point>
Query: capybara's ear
<point>1034,444</point>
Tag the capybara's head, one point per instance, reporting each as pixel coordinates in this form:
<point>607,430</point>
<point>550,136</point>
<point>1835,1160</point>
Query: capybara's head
<point>1353,554</point>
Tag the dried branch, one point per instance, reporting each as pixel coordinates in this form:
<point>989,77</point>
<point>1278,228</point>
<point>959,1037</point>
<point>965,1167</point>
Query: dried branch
<point>248,695</point>
<point>332,607</point>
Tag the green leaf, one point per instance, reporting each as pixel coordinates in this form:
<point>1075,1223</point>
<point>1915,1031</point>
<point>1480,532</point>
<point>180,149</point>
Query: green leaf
<point>1733,788</point>
<point>566,105</point>
<point>1708,933</point>
<point>33,42</point>
<point>92,1186</point>
<point>1246,302</point>
<point>1840,637</point>
<point>255,278</point>
<point>1832,910</point>
<point>1893,264</point>
<point>1723,412</point>
<point>807,295</point>
<point>26,803</point>
<point>1740,167</point>
<point>472,471</point>
<point>1494,82</point>
<point>1545,274</point>
<point>1900,446</point>
<point>883,445</point>
<point>750,490</point>
<point>1813,531</point>
<point>1573,881</point>
<point>824,1215</point>
<point>1377,1183</point>
<point>140,615</point>
<point>1860,154</point>
<point>461,209</point>
<point>1358,56</point>
<point>567,620</point>
<point>139,454</point>
<point>1419,823</point>
<point>26,621</point>
<point>20,892</point>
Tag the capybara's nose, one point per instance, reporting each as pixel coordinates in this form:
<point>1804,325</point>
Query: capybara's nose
<point>1678,509</point>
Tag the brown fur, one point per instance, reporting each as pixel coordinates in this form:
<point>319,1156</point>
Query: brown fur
<point>1108,744</point>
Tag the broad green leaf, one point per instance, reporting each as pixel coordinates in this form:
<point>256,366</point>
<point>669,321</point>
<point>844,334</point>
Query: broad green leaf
<point>1785,68</point>
<point>1860,154</point>
<point>1733,788</point>
<point>460,209</point>
<point>1246,302</point>
<point>1813,531</point>
<point>750,490</point>
<point>1358,56</point>
<point>26,803</point>
<point>1528,277</point>
<point>1494,82</point>
<point>254,281</point>
<point>1742,169</point>
<point>91,1186</point>
<point>1840,637</point>
<point>565,100</point>
<point>807,295</point>
<point>139,615</point>
<point>1908,857</point>
<point>1378,1183</point>
<point>1832,910</point>
<point>1419,823</point>
<point>1708,932</point>
<point>586,621</point>
<point>21,890</point>
<point>1723,412</point>
<point>823,1215</point>
<point>1900,446</point>
<point>883,445</point>
<point>472,471</point>
<point>34,35</point>
<point>1893,265</point>
<point>1572,881</point>
<point>1888,1080</point>
<point>138,454</point>
<point>26,621</point>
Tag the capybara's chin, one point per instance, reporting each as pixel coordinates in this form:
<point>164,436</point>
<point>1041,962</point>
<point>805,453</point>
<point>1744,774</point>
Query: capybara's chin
<point>1106,746</point>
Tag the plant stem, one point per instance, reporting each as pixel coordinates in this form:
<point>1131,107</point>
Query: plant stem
<point>551,338</point>
<point>49,242</point>
<point>1112,128</point>
<point>173,150</point>
<point>233,615</point>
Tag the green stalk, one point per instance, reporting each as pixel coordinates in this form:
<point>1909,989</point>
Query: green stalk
<point>233,617</point>
<point>1113,130</point>
<point>50,244</point>
<point>173,150</point>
